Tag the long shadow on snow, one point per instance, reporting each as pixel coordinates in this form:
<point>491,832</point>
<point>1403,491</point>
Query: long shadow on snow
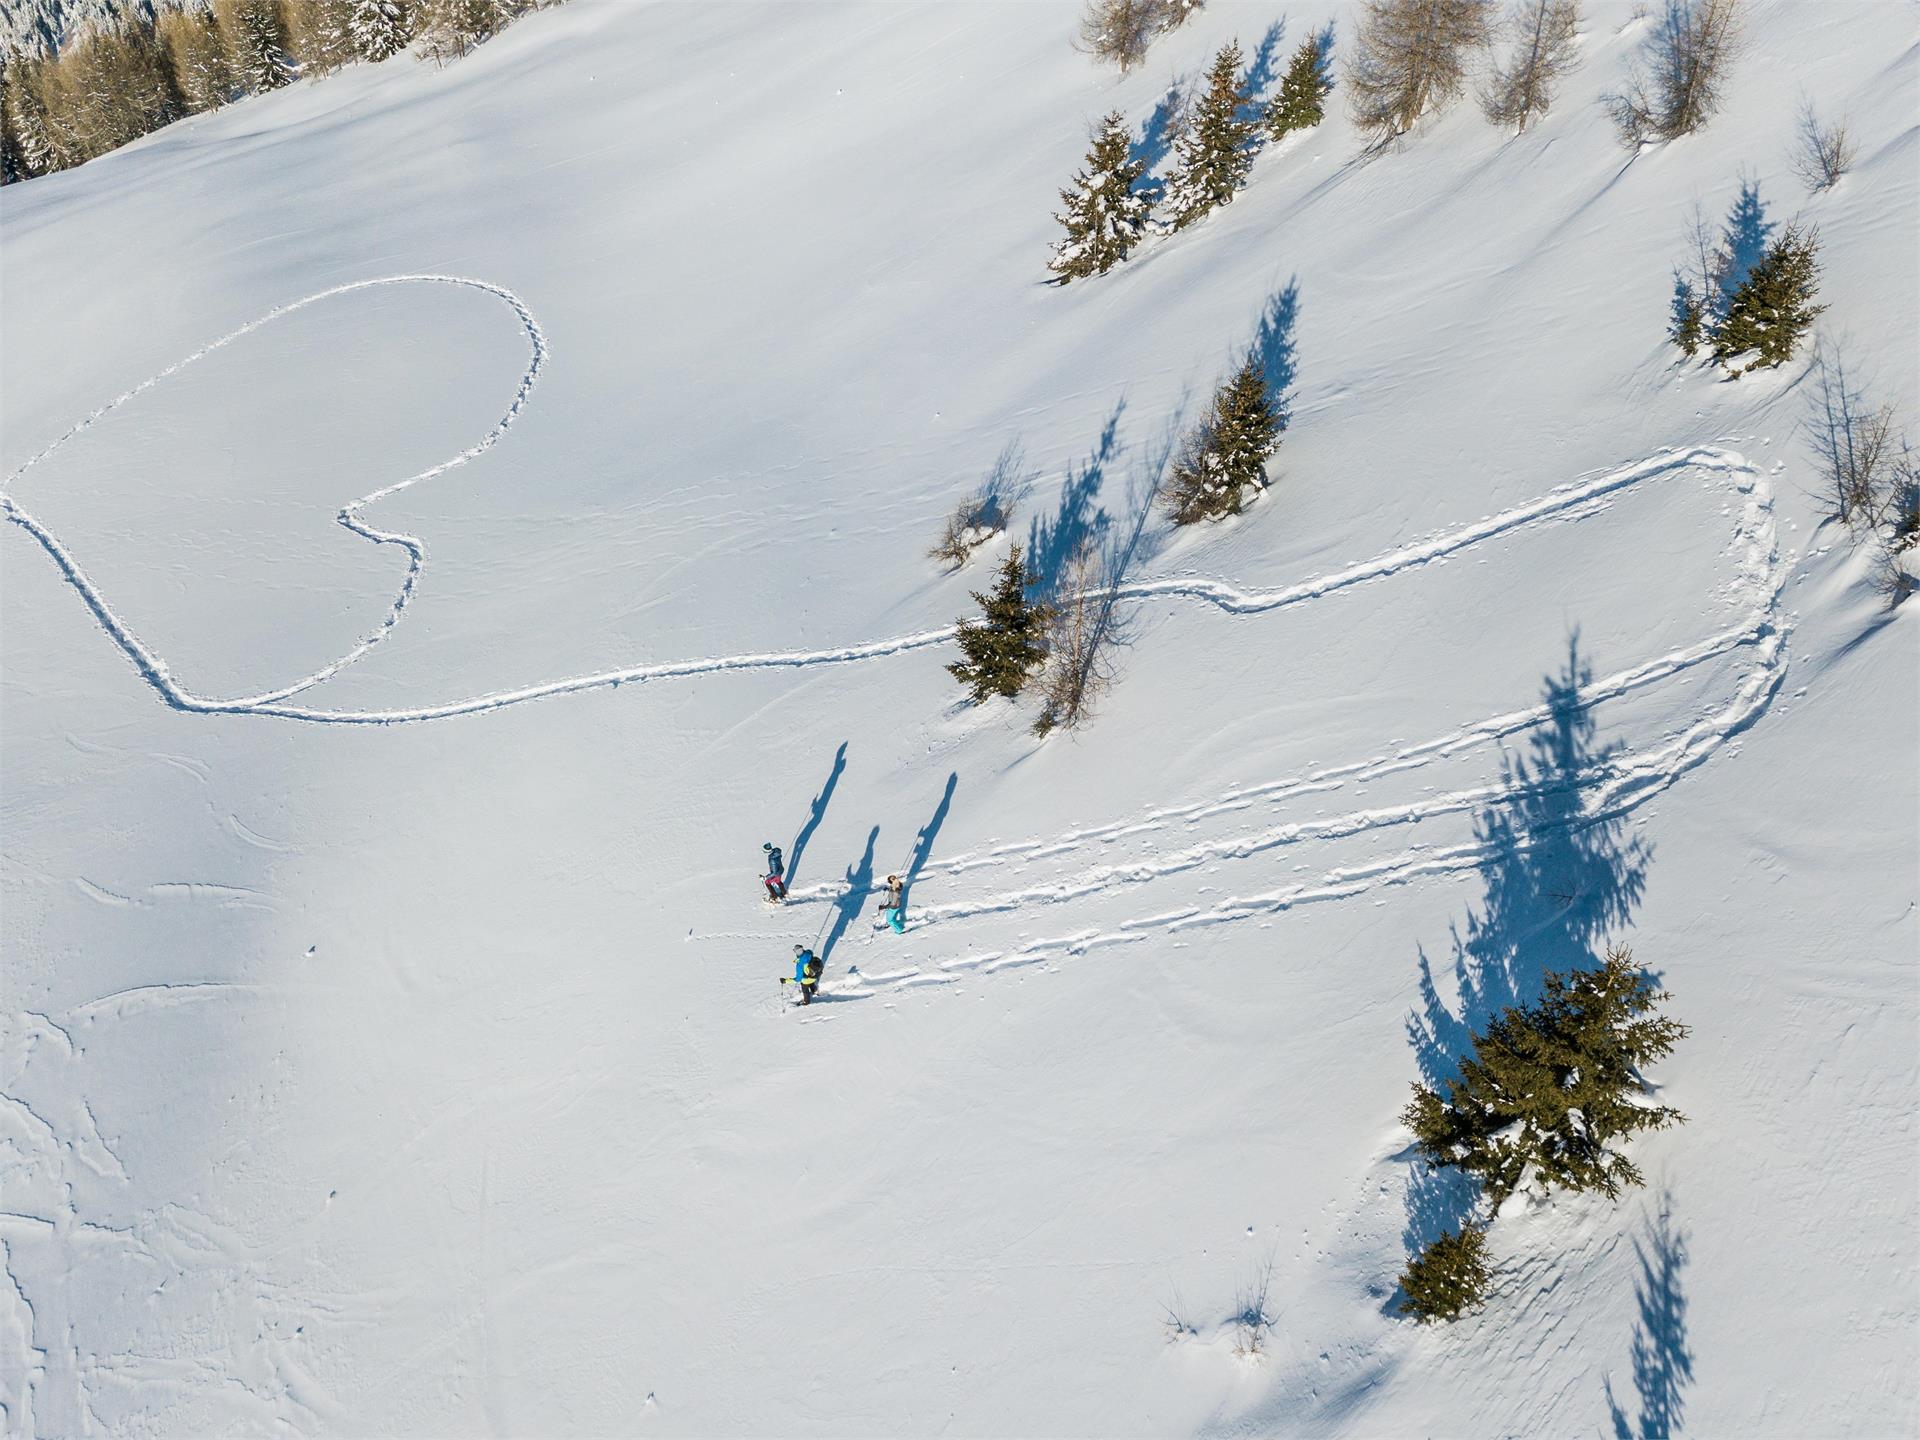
<point>1744,241</point>
<point>816,812</point>
<point>1264,68</point>
<point>1662,1358</point>
<point>1274,347</point>
<point>1077,520</point>
<point>859,884</point>
<point>923,842</point>
<point>1557,880</point>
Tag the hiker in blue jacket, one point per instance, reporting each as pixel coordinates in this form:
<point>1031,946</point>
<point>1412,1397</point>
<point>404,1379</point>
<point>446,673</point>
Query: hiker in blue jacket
<point>806,973</point>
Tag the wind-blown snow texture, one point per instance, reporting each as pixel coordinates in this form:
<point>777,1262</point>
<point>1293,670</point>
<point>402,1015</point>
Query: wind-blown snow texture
<point>513,512</point>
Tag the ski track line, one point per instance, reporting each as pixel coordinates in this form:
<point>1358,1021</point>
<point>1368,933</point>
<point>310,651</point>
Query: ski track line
<point>1569,501</point>
<point>1607,791</point>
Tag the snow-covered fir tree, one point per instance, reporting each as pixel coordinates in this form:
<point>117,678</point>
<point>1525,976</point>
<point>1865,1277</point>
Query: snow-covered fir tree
<point>1229,452</point>
<point>256,43</point>
<point>1007,644</point>
<point>1773,306</point>
<point>1300,103</point>
<point>1216,149</point>
<point>1104,215</point>
<point>379,28</point>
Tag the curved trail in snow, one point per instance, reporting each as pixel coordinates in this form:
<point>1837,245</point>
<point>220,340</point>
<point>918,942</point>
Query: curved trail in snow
<point>1605,790</point>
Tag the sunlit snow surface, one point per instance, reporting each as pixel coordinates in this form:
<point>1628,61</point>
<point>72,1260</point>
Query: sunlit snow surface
<point>461,514</point>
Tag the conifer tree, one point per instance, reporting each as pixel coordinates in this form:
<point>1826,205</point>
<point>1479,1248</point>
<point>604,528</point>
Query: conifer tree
<point>1687,326</point>
<point>1300,103</point>
<point>1104,215</point>
<point>1774,305</point>
<point>24,151</point>
<point>256,39</point>
<point>1549,1088</point>
<point>1228,452</point>
<point>1216,150</point>
<point>1008,643</point>
<point>379,28</point>
<point>1448,1278</point>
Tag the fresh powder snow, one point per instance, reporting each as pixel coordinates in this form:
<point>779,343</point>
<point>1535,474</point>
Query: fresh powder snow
<point>459,515</point>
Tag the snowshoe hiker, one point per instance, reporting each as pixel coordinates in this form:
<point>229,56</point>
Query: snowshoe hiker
<point>806,973</point>
<point>895,907</point>
<point>776,876</point>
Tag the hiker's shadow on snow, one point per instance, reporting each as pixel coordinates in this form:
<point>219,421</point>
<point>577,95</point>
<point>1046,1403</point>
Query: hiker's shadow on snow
<point>859,883</point>
<point>1077,520</point>
<point>1662,1358</point>
<point>816,812</point>
<point>923,843</point>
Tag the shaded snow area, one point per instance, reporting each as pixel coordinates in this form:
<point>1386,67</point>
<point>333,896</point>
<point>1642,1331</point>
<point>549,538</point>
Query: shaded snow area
<point>460,515</point>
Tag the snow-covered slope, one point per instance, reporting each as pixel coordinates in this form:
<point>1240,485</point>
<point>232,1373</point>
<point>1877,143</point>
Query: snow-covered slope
<point>391,1041</point>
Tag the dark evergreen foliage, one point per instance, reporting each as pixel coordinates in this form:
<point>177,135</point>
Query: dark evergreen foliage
<point>1007,644</point>
<point>1216,150</point>
<point>1229,451</point>
<point>1551,1086</point>
<point>1300,103</point>
<point>1448,1278</point>
<point>1688,321</point>
<point>1104,215</point>
<point>1773,307</point>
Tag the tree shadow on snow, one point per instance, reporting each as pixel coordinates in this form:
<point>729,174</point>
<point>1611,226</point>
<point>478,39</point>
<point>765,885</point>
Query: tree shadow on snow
<point>1163,126</point>
<point>1557,879</point>
<point>1264,68</point>
<point>1745,240</point>
<point>816,812</point>
<point>1662,1358</point>
<point>1077,519</point>
<point>859,884</point>
<point>1275,349</point>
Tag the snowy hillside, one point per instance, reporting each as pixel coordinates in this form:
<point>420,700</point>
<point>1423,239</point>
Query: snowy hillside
<point>462,514</point>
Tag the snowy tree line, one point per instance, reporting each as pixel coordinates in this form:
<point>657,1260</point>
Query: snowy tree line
<point>129,74</point>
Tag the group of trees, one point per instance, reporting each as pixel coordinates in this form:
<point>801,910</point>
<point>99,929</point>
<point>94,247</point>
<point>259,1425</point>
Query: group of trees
<point>1549,1092</point>
<point>1871,474</point>
<point>1748,321</point>
<point>121,78</point>
<point>1109,209</point>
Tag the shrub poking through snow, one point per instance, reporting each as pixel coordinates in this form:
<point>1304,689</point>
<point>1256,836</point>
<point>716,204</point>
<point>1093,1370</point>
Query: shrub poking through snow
<point>1228,453</point>
<point>1773,307</point>
<point>1104,215</point>
<point>1300,103</point>
<point>1825,153</point>
<point>1412,57</point>
<point>1216,148</point>
<point>1551,1087</point>
<point>968,526</point>
<point>1007,644</point>
<point>1679,81</point>
<point>1448,1278</point>
<point>1119,31</point>
<point>1545,37</point>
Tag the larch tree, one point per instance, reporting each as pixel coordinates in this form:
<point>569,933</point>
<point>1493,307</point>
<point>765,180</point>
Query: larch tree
<point>1104,215</point>
<point>1300,103</point>
<point>1216,147</point>
<point>191,38</point>
<point>1680,79</point>
<point>1546,39</point>
<point>1412,56</point>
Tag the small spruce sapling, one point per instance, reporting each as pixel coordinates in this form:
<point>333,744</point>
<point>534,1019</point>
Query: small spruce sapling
<point>1773,307</point>
<point>1300,103</point>
<point>1216,149</point>
<point>1448,1278</point>
<point>1687,324</point>
<point>1104,215</point>
<point>1007,644</point>
<point>1228,453</point>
